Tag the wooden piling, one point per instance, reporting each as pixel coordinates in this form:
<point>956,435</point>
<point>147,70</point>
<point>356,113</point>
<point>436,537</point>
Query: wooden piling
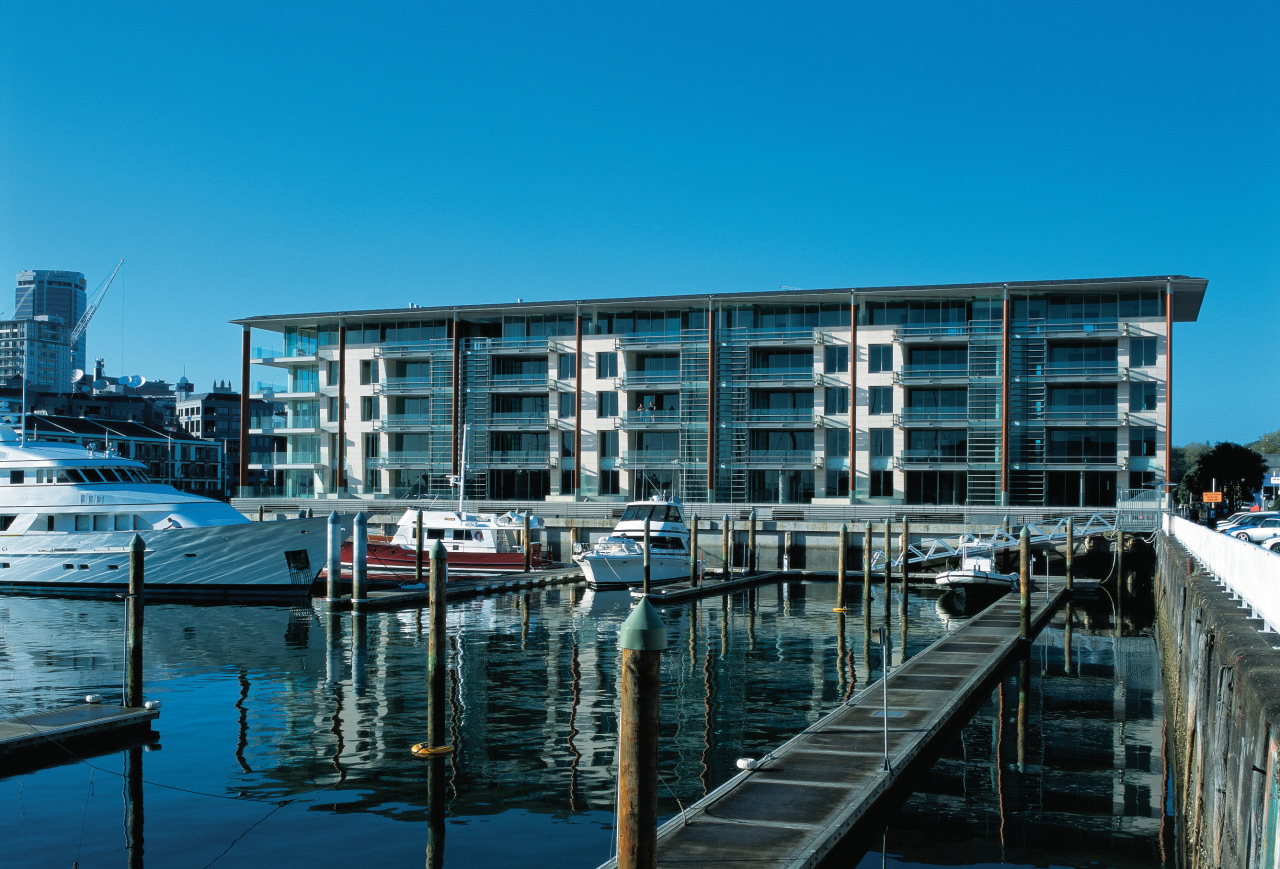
<point>359,559</point>
<point>259,512</point>
<point>726,551</point>
<point>436,649</point>
<point>888,559</point>
<point>333,563</point>
<point>417,549</point>
<point>647,561</point>
<point>906,549</point>
<point>841,567</point>
<point>133,623</point>
<point>693,551</point>
<point>786,552</point>
<point>642,639</point>
<point>528,544</point>
<point>866,568</point>
<point>1024,584</point>
<point>1071,551</point>
<point>751,544</point>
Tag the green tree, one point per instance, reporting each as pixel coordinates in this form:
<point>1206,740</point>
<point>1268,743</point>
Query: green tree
<point>1237,471</point>
<point>1185,457</point>
<point>1268,444</point>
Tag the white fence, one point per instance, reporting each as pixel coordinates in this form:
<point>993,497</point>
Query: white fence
<point>1246,569</point>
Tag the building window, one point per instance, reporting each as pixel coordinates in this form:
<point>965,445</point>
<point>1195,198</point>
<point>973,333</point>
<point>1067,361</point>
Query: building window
<point>1082,445</point>
<point>566,482</point>
<point>568,366</point>
<point>837,443</point>
<point>835,359</point>
<point>837,484</point>
<point>568,405</point>
<point>607,364</point>
<point>609,482</point>
<point>879,358</point>
<point>606,404</point>
<point>881,399</point>
<point>881,484</point>
<point>608,448</point>
<point>1142,351</point>
<point>566,444</point>
<point>1142,479</point>
<point>368,408</point>
<point>837,400</point>
<point>1142,396</point>
<point>368,371</point>
<point>881,443</point>
<point>1142,441</point>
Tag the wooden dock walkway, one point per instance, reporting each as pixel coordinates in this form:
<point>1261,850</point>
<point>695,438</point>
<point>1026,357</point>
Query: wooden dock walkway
<point>806,795</point>
<point>27,735</point>
<point>712,587</point>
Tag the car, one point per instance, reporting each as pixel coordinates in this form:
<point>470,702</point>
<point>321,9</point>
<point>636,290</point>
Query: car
<point>1246,520</point>
<point>1268,526</point>
<point>1272,543</point>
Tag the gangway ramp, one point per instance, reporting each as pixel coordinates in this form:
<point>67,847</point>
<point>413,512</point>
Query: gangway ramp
<point>805,796</point>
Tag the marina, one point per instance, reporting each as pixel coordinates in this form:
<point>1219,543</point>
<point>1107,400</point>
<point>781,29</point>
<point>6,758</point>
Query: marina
<point>287,725</point>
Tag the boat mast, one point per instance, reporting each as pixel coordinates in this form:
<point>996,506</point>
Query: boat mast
<point>462,468</point>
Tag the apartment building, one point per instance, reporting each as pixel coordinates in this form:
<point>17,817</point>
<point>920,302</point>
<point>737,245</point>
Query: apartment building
<point>1023,393</point>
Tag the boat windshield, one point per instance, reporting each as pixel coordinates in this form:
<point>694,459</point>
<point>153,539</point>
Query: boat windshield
<point>652,512</point>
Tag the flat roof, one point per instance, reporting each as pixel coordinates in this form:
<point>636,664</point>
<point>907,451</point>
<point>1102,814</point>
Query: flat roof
<point>1188,294</point>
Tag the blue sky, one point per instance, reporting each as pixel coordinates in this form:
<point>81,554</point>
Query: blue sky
<point>250,159</point>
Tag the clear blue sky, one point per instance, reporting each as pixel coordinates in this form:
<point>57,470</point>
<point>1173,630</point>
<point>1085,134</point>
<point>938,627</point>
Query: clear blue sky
<point>264,158</point>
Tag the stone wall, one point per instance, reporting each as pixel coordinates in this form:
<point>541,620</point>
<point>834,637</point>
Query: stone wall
<point>1222,695</point>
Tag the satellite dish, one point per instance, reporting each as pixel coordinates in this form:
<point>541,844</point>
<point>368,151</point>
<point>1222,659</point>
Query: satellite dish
<point>132,381</point>
<point>100,384</point>
<point>142,381</point>
<point>76,375</point>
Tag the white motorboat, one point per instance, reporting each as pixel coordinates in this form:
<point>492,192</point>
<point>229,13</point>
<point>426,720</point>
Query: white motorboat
<point>977,569</point>
<point>617,561</point>
<point>476,544</point>
<point>68,515</point>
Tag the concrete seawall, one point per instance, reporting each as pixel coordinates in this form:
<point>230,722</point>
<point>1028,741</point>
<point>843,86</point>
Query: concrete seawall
<point>1222,694</point>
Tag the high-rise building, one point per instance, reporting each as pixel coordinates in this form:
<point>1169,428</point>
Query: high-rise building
<point>1045,393</point>
<point>56,294</point>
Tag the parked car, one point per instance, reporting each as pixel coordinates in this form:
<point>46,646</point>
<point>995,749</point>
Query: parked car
<point>1272,543</point>
<point>1245,520</point>
<point>1268,526</point>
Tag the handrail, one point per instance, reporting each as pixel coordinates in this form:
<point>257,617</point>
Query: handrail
<point>1251,572</point>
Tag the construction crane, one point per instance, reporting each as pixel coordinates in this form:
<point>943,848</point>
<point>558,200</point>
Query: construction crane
<point>93,306</point>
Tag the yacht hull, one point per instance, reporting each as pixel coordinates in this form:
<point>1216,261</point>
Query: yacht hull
<point>390,560</point>
<point>273,560</point>
<point>627,571</point>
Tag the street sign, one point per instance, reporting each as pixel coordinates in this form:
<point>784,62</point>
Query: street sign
<point>1212,497</point>
<point>1275,481</point>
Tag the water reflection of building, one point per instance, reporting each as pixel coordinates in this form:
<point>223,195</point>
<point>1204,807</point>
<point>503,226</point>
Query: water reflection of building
<point>1083,779</point>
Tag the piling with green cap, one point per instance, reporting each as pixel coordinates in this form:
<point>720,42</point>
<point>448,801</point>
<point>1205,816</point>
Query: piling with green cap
<point>642,639</point>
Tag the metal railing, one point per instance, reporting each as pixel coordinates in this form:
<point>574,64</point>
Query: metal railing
<point>1251,572</point>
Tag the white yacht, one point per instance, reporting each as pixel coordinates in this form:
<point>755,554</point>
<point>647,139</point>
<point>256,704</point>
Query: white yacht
<point>617,561</point>
<point>68,514</point>
<point>977,569</point>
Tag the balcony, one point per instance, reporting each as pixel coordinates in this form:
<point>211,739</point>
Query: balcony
<point>1069,328</point>
<point>284,460</point>
<point>414,349</point>
<point>660,339</point>
<point>790,374</point>
<point>403,386</point>
<point>1082,414</point>
<point>538,382</point>
<point>927,332</point>
<point>781,458</point>
<point>926,416</point>
<point>402,422</point>
<point>280,357</point>
<point>789,416</point>
<point>651,419</point>
<point>649,458</point>
<point>520,458</point>
<point>646,379</point>
<point>931,459</point>
<point>1083,371</point>
<point>506,420</point>
<point>932,373</point>
<point>396,459</point>
<point>298,424</point>
<point>530,344</point>
<point>775,337</point>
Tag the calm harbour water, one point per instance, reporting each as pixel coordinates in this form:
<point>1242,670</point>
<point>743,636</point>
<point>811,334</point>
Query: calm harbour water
<point>284,739</point>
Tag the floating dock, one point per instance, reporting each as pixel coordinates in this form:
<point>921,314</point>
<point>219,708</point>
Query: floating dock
<point>807,795</point>
<point>455,589</point>
<point>76,727</point>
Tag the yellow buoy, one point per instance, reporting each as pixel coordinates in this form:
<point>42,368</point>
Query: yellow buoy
<point>424,750</point>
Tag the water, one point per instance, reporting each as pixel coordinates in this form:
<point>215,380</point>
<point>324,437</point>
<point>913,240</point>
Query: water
<point>281,743</point>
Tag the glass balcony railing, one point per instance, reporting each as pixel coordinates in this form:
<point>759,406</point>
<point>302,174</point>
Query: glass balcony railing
<point>795,372</point>
<point>296,422</point>
<point>932,414</point>
<point>669,416</point>
<point>1083,369</point>
<point>404,384</point>
<point>519,457</point>
<point>787,457</point>
<point>639,379</point>
<point>794,414</point>
<point>1090,412</point>
<point>639,458</point>
<point>399,459</point>
<point>278,459</point>
<point>932,372</point>
<point>394,421</point>
<point>521,381</point>
<point>932,457</point>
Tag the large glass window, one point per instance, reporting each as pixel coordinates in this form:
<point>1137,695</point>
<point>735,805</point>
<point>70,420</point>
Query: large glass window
<point>1082,399</point>
<point>881,399</point>
<point>879,358</point>
<point>937,399</point>
<point>534,442</point>
<point>935,487</point>
<point>764,360</point>
<point>835,358</point>
<point>658,363</point>
<point>607,364</point>
<point>568,366</point>
<point>881,443</point>
<point>568,405</point>
<point>837,400</point>
<point>837,443</point>
<point>1142,352</point>
<point>518,405</point>
<point>566,445</point>
<point>368,371</point>
<point>610,483</point>
<point>1142,441</point>
<point>519,366</point>
<point>1083,357</point>
<point>606,404</point>
<point>369,405</point>
<point>881,483</point>
<point>1142,396</point>
<point>943,360</point>
<point>947,445</point>
<point>780,442</point>
<point>608,444</point>
<point>780,486</point>
<point>1082,445</point>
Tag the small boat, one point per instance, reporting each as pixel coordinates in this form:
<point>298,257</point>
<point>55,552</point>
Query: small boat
<point>68,515</point>
<point>617,560</point>
<point>977,570</point>
<point>476,544</point>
